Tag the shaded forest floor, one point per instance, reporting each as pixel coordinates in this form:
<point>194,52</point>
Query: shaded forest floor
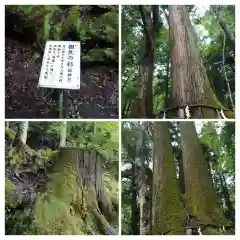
<point>99,86</point>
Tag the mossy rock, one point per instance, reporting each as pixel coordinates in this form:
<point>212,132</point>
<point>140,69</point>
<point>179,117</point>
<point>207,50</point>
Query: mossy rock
<point>9,187</point>
<point>10,134</point>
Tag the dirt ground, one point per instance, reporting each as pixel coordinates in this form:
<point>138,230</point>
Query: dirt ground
<point>97,97</point>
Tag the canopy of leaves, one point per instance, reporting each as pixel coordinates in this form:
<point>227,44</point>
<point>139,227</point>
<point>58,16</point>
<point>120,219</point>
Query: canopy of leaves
<point>217,54</point>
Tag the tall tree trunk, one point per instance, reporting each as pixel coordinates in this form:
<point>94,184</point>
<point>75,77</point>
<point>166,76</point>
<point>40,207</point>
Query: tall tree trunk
<point>202,204</point>
<point>142,195</point>
<point>143,106</point>
<point>229,204</point>
<point>22,132</point>
<point>124,107</point>
<point>6,124</point>
<point>167,209</point>
<point>167,82</point>
<point>225,75</point>
<point>191,86</point>
<point>63,134</point>
<point>229,34</point>
<point>128,109</point>
<point>134,219</point>
<point>141,180</point>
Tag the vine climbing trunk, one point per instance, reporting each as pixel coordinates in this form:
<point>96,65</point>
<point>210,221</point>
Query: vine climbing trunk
<point>167,209</point>
<point>202,204</point>
<point>190,83</point>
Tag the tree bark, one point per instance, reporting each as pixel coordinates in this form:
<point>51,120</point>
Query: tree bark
<point>141,181</point>
<point>22,132</point>
<point>202,203</point>
<point>190,84</point>
<point>143,106</point>
<point>78,179</point>
<point>181,176</point>
<point>134,219</point>
<point>63,134</point>
<point>167,209</point>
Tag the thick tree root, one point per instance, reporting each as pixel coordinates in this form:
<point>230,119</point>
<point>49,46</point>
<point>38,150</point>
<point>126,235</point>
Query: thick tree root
<point>105,227</point>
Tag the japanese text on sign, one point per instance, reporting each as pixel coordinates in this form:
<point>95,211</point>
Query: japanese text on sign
<point>61,65</point>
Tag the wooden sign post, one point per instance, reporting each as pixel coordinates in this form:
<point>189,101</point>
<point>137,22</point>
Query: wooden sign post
<point>61,67</point>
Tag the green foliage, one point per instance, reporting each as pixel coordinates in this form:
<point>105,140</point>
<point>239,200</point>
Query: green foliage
<point>9,186</point>
<point>100,136</point>
<point>53,23</point>
<point>220,137</point>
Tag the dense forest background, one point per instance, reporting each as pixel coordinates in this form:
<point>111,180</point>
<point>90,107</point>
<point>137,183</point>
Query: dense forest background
<point>178,178</point>
<point>27,29</point>
<point>178,56</point>
<point>61,178</point>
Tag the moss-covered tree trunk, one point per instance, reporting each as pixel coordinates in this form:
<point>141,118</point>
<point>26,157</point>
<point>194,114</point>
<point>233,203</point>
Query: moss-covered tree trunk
<point>202,204</point>
<point>77,179</point>
<point>190,83</point>
<point>181,176</point>
<point>167,209</point>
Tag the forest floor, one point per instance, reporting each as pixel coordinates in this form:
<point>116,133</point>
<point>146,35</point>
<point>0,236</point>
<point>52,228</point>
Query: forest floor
<point>23,99</point>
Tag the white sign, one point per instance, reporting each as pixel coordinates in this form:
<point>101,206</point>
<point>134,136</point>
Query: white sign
<point>61,65</point>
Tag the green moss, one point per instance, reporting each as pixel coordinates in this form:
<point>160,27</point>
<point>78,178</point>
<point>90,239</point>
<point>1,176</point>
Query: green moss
<point>22,154</point>
<point>169,214</point>
<point>201,200</point>
<point>10,134</point>
<point>64,209</point>
<point>47,155</point>
<point>53,216</point>
<point>17,156</point>
<point>50,23</point>
<point>9,187</point>
<point>229,114</point>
